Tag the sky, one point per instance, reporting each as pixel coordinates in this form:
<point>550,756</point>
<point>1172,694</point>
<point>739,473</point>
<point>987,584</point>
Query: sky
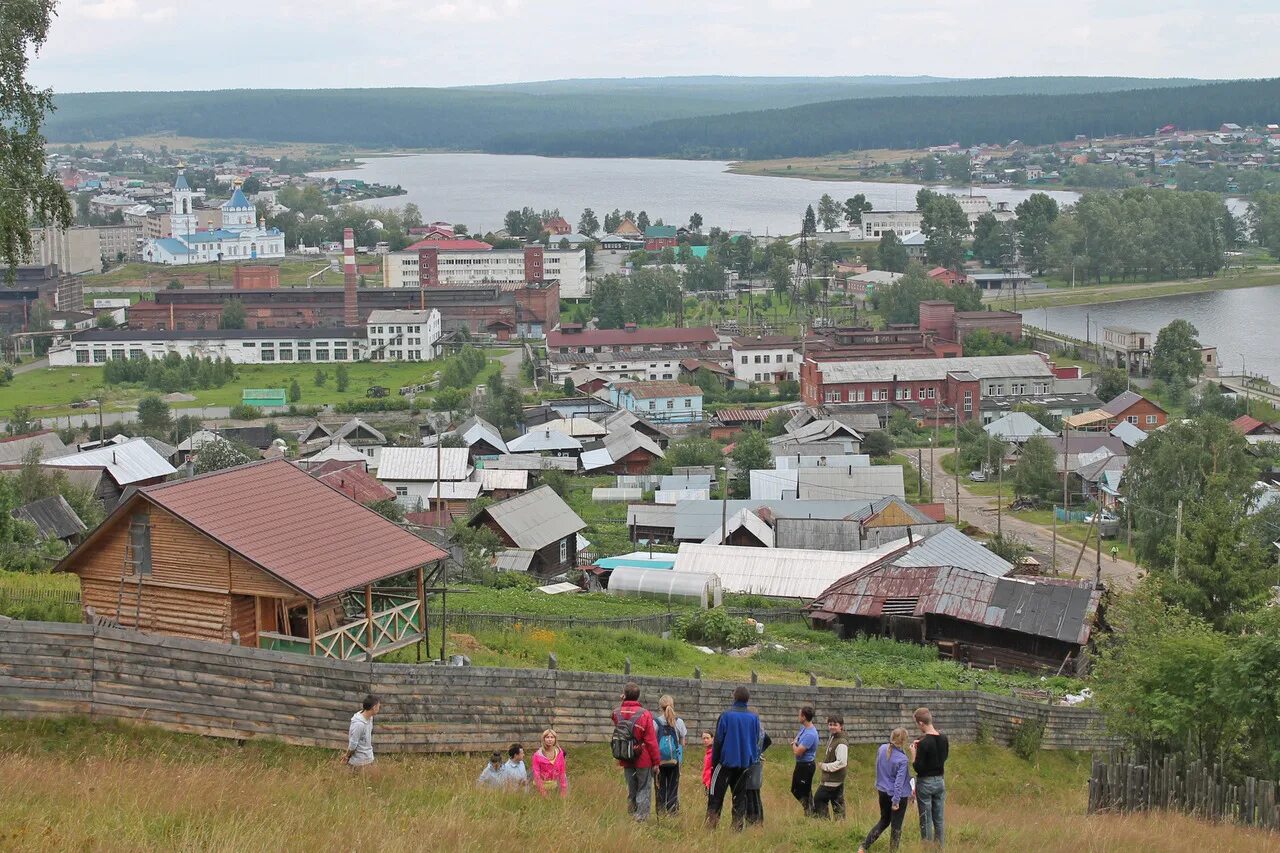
<point>109,45</point>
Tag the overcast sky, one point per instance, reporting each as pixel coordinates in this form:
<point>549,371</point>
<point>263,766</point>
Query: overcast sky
<point>99,45</point>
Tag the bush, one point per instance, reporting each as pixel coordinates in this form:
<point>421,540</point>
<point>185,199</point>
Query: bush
<point>1027,736</point>
<point>715,627</point>
<point>244,412</point>
<point>385,404</point>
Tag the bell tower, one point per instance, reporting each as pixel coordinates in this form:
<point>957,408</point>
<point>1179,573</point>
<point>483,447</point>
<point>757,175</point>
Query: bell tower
<point>182,217</point>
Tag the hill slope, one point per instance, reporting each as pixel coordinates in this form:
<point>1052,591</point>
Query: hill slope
<point>913,122</point>
<point>472,117</point>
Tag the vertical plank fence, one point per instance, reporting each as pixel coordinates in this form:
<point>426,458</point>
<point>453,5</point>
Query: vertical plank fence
<point>1119,784</point>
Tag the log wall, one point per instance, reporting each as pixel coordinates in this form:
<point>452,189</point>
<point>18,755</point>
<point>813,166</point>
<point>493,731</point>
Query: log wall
<point>49,669</point>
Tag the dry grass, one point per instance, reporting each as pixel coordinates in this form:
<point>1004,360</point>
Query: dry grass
<point>72,785</point>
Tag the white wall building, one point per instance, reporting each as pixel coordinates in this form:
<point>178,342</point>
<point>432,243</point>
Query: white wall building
<point>403,335</point>
<point>767,360</point>
<point>877,223</point>
<point>495,266</point>
<point>240,238</point>
<point>241,346</point>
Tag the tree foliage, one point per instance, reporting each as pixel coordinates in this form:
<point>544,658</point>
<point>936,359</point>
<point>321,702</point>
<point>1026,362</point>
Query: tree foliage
<point>1175,359</point>
<point>233,314</point>
<point>645,296</point>
<point>1110,382</point>
<point>945,226</point>
<point>1035,474</point>
<point>900,302</point>
<point>171,373</point>
<point>750,453</point>
<point>1034,225</point>
<point>221,454</point>
<point>891,255</point>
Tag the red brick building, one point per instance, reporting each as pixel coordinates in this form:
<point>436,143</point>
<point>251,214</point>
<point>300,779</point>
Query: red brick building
<point>255,277</point>
<point>942,319</point>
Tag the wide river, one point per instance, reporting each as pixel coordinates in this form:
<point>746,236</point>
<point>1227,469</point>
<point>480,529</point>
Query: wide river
<point>1240,323</point>
<point>478,190</point>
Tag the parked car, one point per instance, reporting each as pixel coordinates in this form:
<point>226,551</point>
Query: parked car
<point>1103,518</point>
<point>978,476</point>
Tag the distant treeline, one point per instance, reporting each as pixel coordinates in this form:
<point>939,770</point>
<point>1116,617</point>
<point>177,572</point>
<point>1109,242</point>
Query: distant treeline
<point>915,122</point>
<point>472,118</point>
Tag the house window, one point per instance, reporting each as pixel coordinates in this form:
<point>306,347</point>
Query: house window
<point>931,392</point>
<point>82,356</point>
<point>339,353</point>
<point>564,549</point>
<point>99,356</point>
<point>139,556</point>
<point>997,390</point>
<point>286,353</point>
<point>652,405</point>
<point>744,359</point>
<point>1152,420</point>
<point>832,397</point>
<point>402,491</point>
<point>137,354</point>
<point>766,359</point>
<point>968,401</point>
<point>117,355</point>
<point>322,355</point>
<point>757,359</point>
<point>1133,419</point>
<point>268,355</point>
<point>791,357</point>
<point>671,404</point>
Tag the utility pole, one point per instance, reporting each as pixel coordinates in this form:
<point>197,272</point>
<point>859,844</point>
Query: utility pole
<point>1177,541</point>
<point>1054,558</point>
<point>1000,499</point>
<point>439,496</point>
<point>1066,473</point>
<point>956,459</point>
<point>1097,566</point>
<point>919,474</point>
<point>724,503</point>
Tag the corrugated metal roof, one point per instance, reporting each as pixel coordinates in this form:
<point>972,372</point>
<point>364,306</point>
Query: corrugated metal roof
<point>53,517</point>
<point>276,516</point>
<point>341,451</point>
<point>419,464</point>
<point>595,459</point>
<point>744,518</point>
<point>674,496</point>
<point>790,463</point>
<point>817,534</point>
<point>1130,434</point>
<point>511,462</point>
<point>351,479</point>
<point>131,462</point>
<point>14,449</point>
<point>198,439</point>
<point>950,547</point>
<point>1017,427</point>
<point>357,430</point>
<point>514,560</point>
<point>625,441</point>
<point>694,520</point>
<point>776,572</point>
<point>534,519</point>
<point>919,370</point>
<point>455,490</point>
<point>829,484</point>
<point>649,515</point>
<point>540,439</point>
<point>606,494</point>
<point>671,482</point>
<point>476,429</point>
<point>576,427</point>
<point>496,479</point>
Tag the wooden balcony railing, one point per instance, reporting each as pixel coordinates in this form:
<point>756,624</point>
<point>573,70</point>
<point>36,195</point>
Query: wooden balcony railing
<point>392,628</point>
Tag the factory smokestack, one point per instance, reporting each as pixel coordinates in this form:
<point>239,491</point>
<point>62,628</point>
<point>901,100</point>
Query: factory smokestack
<point>350,313</point>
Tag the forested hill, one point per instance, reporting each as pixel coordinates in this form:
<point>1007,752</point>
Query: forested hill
<point>912,122</point>
<point>473,117</point>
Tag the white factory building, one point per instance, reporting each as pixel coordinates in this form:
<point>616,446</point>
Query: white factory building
<point>512,268</point>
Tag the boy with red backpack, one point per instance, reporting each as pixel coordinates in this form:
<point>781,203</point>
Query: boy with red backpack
<point>635,745</point>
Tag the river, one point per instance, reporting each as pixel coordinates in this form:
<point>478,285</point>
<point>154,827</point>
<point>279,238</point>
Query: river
<point>1240,323</point>
<point>479,189</point>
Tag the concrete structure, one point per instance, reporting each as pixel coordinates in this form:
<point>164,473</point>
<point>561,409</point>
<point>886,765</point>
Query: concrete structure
<point>877,223</point>
<point>1128,348</point>
<point>74,251</point>
<point>238,238</point>
<point>767,360</point>
<point>660,401</point>
<point>403,335</point>
<point>622,365</point>
<point>242,346</point>
<point>940,317</point>
<point>571,337</point>
<point>432,267</point>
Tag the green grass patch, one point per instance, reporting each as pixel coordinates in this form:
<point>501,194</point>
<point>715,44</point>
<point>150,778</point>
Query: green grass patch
<point>42,596</point>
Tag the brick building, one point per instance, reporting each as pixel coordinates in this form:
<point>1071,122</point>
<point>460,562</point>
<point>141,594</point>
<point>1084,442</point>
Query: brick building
<point>942,319</point>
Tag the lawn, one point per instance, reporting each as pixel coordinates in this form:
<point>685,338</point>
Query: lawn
<point>68,784</point>
<point>50,391</point>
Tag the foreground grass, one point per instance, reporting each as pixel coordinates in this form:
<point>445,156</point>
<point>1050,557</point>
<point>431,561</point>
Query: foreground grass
<point>69,784</point>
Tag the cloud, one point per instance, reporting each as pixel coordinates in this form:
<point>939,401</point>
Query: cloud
<point>110,10</point>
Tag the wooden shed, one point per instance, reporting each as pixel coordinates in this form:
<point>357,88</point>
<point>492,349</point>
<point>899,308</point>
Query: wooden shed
<point>261,554</point>
<point>539,521</point>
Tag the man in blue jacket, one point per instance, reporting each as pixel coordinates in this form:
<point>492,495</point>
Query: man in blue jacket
<point>737,747</point>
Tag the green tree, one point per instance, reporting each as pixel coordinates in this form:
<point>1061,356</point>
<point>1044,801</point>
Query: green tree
<point>612,221</point>
<point>295,391</point>
<point>891,255</point>
<point>750,453</point>
<point>1035,474</point>
<point>388,508</point>
<point>878,444</point>
<point>829,212</point>
<point>588,223</point>
<point>1034,222</point>
<point>1176,357</point>
<point>1110,382</point>
<point>958,168</point>
<point>221,454</point>
<point>695,221</point>
<point>342,377</point>
<point>642,221</point>
<point>780,276</point>
<point>776,424</point>
<point>105,320</point>
<point>809,225</point>
<point>233,315</point>
<point>854,208</point>
<point>153,416</point>
<point>31,193</point>
<point>20,422</point>
<point>978,449</point>
<point>945,227</point>
<point>321,378</point>
<point>900,301</point>
<point>411,216</point>
<point>1264,216</point>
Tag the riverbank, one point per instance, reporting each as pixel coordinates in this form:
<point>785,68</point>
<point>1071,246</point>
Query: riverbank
<point>1268,276</point>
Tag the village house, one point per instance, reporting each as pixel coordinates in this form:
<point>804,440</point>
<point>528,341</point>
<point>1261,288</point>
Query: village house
<point>1138,410</point>
<point>540,525</point>
<point>261,555</point>
<point>352,480</point>
<point>133,463</point>
<point>765,359</point>
<point>671,402</point>
<point>412,473</point>
<point>53,518</point>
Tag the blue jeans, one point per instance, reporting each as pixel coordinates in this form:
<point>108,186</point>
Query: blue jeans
<point>931,797</point>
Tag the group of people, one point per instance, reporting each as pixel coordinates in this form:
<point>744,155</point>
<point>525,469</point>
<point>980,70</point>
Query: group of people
<point>650,750</point>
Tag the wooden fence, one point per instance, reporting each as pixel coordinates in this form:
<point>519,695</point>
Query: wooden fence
<point>1118,784</point>
<point>52,669</point>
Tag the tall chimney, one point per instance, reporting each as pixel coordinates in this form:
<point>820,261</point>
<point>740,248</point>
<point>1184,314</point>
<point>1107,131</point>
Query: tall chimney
<point>350,314</point>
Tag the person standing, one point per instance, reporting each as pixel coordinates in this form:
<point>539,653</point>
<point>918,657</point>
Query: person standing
<point>635,745</point>
<point>928,759</point>
<point>549,764</point>
<point>893,785</point>
<point>360,734</point>
<point>672,734</point>
<point>491,775</point>
<point>736,748</point>
<point>755,782</point>
<point>514,774</point>
<point>805,748</point>
<point>708,741</point>
<point>835,764</point>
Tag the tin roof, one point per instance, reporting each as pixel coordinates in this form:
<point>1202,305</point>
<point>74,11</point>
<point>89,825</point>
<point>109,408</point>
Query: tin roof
<point>950,547</point>
<point>419,463</point>
<point>915,370</point>
<point>476,429</point>
<point>540,439</point>
<point>776,572</point>
<point>514,560</point>
<point>351,479</point>
<point>534,519</point>
<point>131,462</point>
<point>15,448</point>
<point>498,479</point>
<point>288,524</point>
<point>517,462</point>
<point>650,515</point>
<point>627,441</point>
<point>53,517</point>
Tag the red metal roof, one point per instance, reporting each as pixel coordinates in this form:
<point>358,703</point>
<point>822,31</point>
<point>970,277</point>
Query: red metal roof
<point>455,244</point>
<point>294,527</point>
<point>742,416</point>
<point>632,338</point>
<point>352,480</point>
<point>1246,424</point>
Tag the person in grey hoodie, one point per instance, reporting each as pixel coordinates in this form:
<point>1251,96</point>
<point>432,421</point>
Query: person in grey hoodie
<point>360,734</point>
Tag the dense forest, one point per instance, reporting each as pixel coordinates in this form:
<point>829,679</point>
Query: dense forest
<point>471,118</point>
<point>915,122</point>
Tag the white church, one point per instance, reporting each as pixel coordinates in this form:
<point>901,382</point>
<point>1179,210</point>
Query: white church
<point>239,239</point>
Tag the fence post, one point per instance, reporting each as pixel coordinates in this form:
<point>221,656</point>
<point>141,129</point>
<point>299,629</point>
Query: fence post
<point>697,673</point>
<point>626,669</point>
<point>552,661</point>
<point>754,677</point>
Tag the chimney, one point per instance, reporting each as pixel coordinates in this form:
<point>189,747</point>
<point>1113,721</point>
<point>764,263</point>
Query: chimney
<point>350,314</point>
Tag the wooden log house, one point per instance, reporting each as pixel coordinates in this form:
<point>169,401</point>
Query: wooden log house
<point>263,555</point>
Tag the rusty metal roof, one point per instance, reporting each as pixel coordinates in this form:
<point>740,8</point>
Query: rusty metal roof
<point>279,518</point>
<point>352,480</point>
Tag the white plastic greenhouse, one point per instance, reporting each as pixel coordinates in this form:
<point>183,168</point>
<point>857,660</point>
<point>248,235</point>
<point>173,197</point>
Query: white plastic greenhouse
<point>665,585</point>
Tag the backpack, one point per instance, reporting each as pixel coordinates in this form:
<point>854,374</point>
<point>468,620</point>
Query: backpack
<point>623,742</point>
<point>669,750</point>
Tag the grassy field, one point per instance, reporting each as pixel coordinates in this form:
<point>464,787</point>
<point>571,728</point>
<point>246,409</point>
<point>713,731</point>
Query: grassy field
<point>68,784</point>
<point>833,167</point>
<point>50,391</point>
<point>1121,291</point>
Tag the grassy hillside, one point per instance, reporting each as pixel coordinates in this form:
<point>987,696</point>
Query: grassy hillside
<point>913,122</point>
<point>68,784</point>
<point>468,118</point>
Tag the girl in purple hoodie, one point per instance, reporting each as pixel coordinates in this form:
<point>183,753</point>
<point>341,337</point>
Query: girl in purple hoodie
<point>894,787</point>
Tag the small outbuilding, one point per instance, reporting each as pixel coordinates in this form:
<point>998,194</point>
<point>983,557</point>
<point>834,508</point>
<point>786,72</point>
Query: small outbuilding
<point>671,587</point>
<point>540,521</point>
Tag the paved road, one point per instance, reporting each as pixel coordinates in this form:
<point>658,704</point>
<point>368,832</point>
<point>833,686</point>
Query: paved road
<point>38,364</point>
<point>511,365</point>
<point>980,511</point>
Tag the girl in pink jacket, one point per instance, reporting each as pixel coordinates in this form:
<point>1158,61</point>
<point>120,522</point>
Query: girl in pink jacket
<point>548,764</point>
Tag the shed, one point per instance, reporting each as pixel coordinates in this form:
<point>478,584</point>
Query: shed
<point>265,398</point>
<point>15,448</point>
<point>133,463</point>
<point>538,520</point>
<point>672,587</point>
<point>53,517</point>
<point>262,551</point>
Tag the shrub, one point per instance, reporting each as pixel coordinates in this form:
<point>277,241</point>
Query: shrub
<point>384,404</point>
<point>1027,736</point>
<point>714,627</point>
<point>243,412</point>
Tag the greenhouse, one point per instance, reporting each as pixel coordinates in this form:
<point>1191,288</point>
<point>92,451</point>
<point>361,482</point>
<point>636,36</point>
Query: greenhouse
<point>672,587</point>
